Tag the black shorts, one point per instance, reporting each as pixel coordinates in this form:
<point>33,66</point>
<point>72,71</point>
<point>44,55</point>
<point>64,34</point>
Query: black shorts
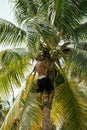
<point>45,84</point>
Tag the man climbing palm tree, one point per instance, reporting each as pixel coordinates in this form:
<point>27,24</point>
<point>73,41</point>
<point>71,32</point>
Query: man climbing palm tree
<point>45,63</point>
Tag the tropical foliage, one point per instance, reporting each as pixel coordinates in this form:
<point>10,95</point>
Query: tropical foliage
<point>57,26</point>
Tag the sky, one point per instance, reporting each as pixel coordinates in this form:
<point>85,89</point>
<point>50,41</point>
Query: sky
<point>6,10</point>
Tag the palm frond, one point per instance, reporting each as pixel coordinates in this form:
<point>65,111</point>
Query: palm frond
<point>11,34</point>
<point>14,57</point>
<point>79,32</point>
<point>58,7</point>
<point>31,112</point>
<point>67,20</point>
<point>5,86</point>
<point>29,81</point>
<point>15,111</point>
<point>60,10</point>
<point>82,46</point>
<point>14,65</point>
<point>77,62</point>
<point>24,9</point>
<point>33,41</point>
<point>73,105</point>
<point>83,8</point>
<point>56,113</point>
<point>45,30</point>
<point>66,10</point>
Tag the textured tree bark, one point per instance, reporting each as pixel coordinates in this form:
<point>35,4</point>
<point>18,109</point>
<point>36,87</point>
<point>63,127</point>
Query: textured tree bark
<point>53,127</point>
<point>46,122</point>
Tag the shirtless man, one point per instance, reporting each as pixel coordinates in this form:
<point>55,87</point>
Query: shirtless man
<point>44,82</point>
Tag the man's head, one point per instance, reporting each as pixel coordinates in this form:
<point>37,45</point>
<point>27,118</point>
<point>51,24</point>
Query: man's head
<point>43,55</point>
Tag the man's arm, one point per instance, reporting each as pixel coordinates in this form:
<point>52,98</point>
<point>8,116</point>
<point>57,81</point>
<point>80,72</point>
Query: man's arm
<point>50,66</point>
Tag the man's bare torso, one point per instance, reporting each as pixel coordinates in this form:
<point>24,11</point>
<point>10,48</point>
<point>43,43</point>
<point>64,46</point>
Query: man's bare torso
<point>41,68</point>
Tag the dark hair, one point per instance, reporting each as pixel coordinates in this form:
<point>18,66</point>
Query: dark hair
<point>46,53</point>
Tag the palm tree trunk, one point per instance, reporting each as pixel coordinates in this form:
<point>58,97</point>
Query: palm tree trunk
<point>53,127</point>
<point>46,122</point>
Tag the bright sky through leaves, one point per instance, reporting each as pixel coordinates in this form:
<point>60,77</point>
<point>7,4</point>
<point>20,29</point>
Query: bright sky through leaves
<point>6,10</point>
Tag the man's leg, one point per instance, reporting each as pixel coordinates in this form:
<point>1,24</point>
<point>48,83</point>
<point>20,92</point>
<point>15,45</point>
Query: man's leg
<point>40,90</point>
<point>51,98</point>
<point>40,97</point>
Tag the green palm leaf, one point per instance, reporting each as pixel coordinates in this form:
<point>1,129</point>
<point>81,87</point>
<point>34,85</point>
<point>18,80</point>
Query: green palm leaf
<point>15,111</point>
<point>31,112</point>
<point>82,46</point>
<point>67,19</point>
<point>14,65</point>
<point>9,33</point>
<point>45,30</point>
<point>24,9</point>
<point>79,32</point>
<point>73,105</point>
<point>77,62</point>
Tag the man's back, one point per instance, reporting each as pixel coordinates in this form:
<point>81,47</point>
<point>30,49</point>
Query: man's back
<point>41,68</point>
